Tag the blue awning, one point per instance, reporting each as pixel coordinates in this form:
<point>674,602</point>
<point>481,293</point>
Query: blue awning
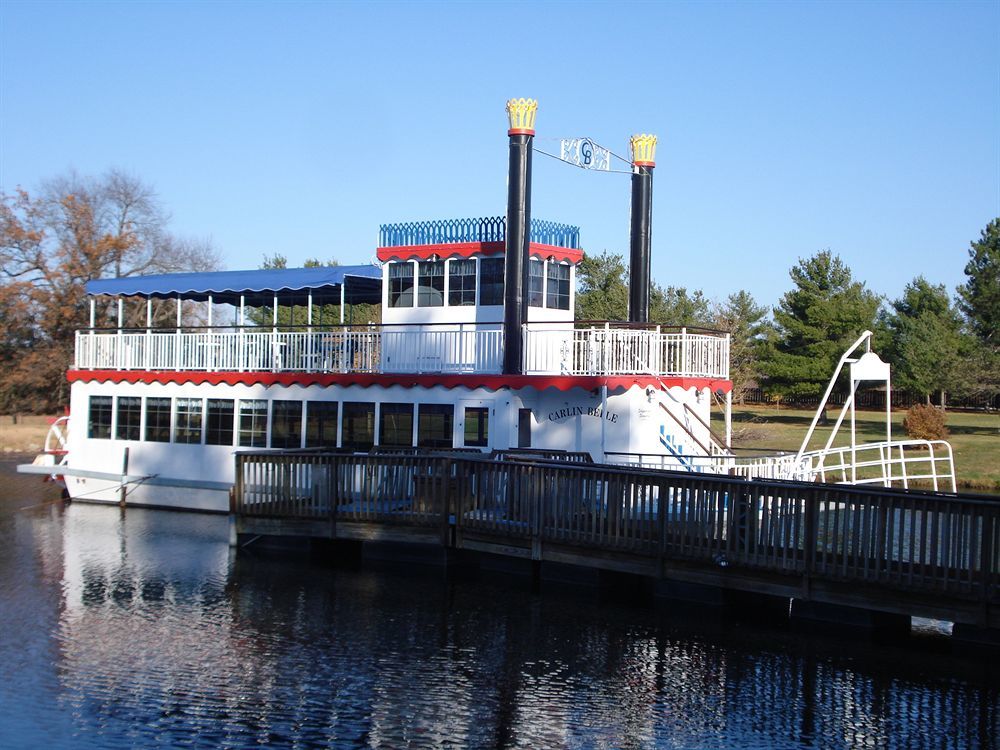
<point>258,287</point>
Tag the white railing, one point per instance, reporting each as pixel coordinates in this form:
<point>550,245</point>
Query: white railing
<point>625,351</point>
<point>923,464</point>
<point>450,348</point>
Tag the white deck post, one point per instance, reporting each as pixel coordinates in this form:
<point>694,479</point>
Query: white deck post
<point>729,420</point>
<point>343,297</point>
<point>119,348</point>
<point>148,348</point>
<point>177,338</point>
<point>242,349</point>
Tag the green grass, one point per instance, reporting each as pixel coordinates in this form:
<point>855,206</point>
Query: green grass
<point>975,437</point>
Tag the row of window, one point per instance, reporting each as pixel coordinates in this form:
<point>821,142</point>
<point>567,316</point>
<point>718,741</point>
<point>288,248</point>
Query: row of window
<point>258,423</point>
<point>548,283</point>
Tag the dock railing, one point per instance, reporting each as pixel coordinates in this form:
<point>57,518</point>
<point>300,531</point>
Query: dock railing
<point>930,554</point>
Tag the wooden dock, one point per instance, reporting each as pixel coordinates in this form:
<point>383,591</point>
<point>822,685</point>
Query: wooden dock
<point>894,551</point>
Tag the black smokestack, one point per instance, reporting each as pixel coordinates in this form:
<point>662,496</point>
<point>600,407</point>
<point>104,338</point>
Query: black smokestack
<point>643,154</point>
<point>515,311</point>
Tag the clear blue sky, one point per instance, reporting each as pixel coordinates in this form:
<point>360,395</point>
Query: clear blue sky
<point>785,128</point>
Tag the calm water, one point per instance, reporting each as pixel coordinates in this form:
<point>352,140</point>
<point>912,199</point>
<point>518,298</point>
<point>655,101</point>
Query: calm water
<point>143,630</point>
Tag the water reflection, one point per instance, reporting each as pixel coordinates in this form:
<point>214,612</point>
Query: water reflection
<point>159,636</point>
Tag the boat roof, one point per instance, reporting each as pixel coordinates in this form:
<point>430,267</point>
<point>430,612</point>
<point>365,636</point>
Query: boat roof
<point>256,287</point>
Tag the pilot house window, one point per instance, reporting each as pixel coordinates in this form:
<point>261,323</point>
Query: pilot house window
<point>401,284</point>
<point>536,283</point>
<point>462,282</point>
<point>491,281</point>
<point>557,291</point>
<point>430,280</point>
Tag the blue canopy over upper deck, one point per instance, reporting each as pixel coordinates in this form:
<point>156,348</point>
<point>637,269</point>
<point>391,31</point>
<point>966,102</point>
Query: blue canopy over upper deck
<point>257,287</point>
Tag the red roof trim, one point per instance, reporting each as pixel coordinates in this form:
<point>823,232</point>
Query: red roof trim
<point>561,254</point>
<point>447,250</point>
<point>366,380</point>
<point>470,249</point>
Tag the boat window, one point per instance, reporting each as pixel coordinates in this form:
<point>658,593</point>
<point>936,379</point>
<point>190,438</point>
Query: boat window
<point>401,284</point>
<point>129,416</point>
<point>286,424</point>
<point>219,420</point>
<point>557,295</point>
<point>434,429</point>
<point>158,420</point>
<point>477,423</point>
<point>321,424</point>
<point>430,278</point>
<point>462,282</point>
<point>99,420</point>
<point>536,282</point>
<point>187,427</point>
<point>358,431</point>
<point>491,281</point>
<point>395,425</point>
<point>253,423</point>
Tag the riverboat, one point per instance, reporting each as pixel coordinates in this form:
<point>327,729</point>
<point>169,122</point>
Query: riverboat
<point>472,345</point>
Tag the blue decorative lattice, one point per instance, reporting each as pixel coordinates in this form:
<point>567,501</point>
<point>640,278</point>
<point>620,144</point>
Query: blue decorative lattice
<point>486,229</point>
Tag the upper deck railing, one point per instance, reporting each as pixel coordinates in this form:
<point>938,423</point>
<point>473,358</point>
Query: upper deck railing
<point>483,229</point>
<point>445,348</point>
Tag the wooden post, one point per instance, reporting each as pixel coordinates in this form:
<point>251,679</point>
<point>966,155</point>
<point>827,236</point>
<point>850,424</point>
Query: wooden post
<point>122,490</point>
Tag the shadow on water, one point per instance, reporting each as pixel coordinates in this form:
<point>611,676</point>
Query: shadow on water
<point>143,628</point>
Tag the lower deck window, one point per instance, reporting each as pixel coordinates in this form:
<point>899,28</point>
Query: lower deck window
<point>359,426</point>
<point>99,418</point>
<point>477,426</point>
<point>286,424</point>
<point>321,424</point>
<point>158,420</point>
<point>187,427</point>
<point>395,427</point>
<point>129,416</point>
<point>434,429</point>
<point>253,423</point>
<point>219,422</point>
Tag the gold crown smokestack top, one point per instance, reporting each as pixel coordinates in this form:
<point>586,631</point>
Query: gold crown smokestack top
<point>642,149</point>
<point>521,116</point>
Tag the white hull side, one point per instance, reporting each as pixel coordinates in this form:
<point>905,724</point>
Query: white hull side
<point>631,422</point>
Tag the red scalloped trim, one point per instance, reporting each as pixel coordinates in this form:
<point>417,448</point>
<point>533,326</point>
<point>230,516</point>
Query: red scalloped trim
<point>470,249</point>
<point>366,380</point>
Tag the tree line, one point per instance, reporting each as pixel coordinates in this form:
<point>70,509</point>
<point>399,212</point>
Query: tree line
<point>937,345</point>
<point>73,230</point>
<point>76,228</point>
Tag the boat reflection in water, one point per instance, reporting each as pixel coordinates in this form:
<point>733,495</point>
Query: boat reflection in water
<point>165,636</point>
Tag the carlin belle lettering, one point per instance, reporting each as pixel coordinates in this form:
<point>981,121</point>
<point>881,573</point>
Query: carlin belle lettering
<point>581,411</point>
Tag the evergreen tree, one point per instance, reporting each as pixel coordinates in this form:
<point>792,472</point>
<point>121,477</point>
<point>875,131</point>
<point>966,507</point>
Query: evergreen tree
<point>979,296</point>
<point>675,306</point>
<point>979,299</point>
<point>602,293</point>
<point>747,325</point>
<point>814,324</point>
<point>926,346</point>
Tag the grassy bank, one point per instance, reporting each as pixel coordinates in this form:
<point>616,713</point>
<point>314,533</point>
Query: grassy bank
<point>975,437</point>
<point>27,435</point>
